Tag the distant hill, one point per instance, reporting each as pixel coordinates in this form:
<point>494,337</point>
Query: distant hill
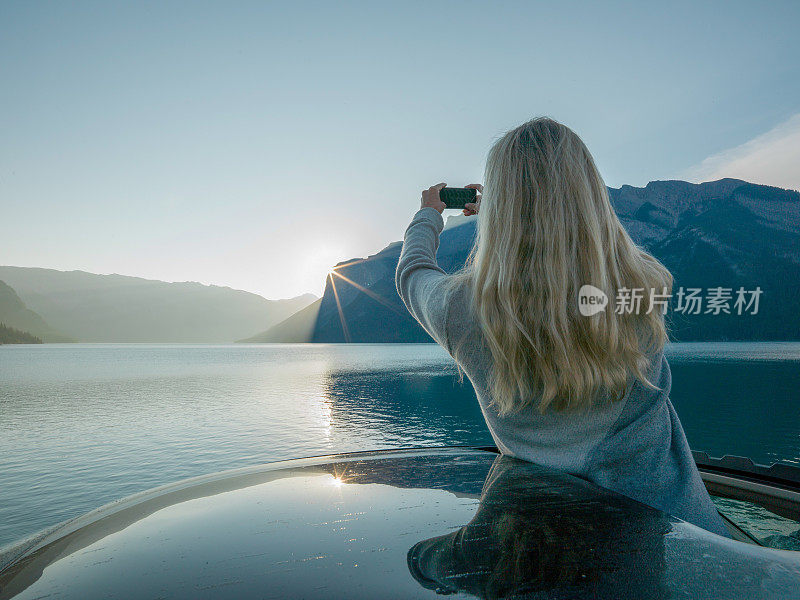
<point>9,335</point>
<point>298,327</point>
<point>726,233</point>
<point>18,317</point>
<point>117,308</point>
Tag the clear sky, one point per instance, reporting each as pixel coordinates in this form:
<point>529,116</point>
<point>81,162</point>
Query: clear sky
<point>256,144</point>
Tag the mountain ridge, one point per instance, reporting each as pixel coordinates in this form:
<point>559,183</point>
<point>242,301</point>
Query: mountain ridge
<point>92,307</point>
<point>728,232</point>
<point>15,315</point>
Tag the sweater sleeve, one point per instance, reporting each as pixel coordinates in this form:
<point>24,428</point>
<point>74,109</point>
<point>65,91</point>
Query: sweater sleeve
<point>419,278</point>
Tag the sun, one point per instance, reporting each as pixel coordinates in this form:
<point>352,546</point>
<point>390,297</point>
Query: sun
<point>318,263</point>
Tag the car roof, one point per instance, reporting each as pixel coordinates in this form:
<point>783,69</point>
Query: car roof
<point>462,521</point>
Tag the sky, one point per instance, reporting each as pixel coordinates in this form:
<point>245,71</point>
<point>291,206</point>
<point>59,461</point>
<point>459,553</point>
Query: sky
<point>256,144</point>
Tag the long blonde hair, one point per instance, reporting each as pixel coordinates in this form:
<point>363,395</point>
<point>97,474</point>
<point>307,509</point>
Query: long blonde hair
<point>545,229</point>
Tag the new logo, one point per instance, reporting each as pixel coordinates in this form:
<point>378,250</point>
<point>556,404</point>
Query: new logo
<point>591,300</point>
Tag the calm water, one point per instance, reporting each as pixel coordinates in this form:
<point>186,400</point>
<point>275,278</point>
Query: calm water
<point>81,425</point>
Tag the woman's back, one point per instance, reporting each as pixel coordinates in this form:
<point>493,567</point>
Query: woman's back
<point>634,445</point>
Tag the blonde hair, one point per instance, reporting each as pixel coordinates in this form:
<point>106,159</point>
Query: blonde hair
<point>545,229</point>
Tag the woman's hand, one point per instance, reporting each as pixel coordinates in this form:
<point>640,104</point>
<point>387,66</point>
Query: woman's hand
<point>430,198</point>
<point>472,208</point>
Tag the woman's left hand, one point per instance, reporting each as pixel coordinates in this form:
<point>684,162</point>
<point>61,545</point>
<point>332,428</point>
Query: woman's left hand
<point>472,208</point>
<point>430,198</point>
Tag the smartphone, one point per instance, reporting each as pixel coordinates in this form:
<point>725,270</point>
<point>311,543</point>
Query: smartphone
<point>457,197</point>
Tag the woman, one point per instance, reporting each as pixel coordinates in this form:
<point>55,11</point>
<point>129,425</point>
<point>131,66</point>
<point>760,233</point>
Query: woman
<point>585,394</point>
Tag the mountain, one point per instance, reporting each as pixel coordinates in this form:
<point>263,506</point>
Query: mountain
<point>365,287</point>
<point>117,308</point>
<point>16,316</point>
<point>298,327</point>
<point>9,335</point>
<point>726,233</point>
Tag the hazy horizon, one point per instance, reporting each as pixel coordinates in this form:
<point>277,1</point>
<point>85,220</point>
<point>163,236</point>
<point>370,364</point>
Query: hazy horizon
<point>134,276</point>
<point>318,295</point>
<point>255,146</point>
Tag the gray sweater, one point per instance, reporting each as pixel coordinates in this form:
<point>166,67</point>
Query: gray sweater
<point>635,446</point>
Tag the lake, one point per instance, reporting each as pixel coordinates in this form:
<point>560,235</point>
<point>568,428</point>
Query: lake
<point>81,425</point>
